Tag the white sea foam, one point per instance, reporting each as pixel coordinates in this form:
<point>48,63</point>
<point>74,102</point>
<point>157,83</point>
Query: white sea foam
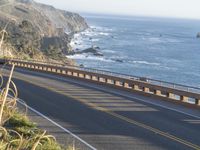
<point>145,63</point>
<point>98,28</point>
<point>159,39</point>
<point>89,57</point>
<point>109,51</point>
<point>95,40</point>
<point>155,40</point>
<point>103,33</point>
<point>172,40</point>
<point>89,37</point>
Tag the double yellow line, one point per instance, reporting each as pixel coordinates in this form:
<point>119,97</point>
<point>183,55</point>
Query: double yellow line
<point>133,122</point>
<point>167,135</point>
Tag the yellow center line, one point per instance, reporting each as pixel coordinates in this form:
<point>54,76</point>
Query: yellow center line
<point>131,121</point>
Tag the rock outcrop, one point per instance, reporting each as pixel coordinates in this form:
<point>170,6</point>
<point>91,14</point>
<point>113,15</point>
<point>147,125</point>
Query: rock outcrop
<point>38,28</point>
<point>93,50</point>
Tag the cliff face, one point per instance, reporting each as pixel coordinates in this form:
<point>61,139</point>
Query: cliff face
<point>34,27</point>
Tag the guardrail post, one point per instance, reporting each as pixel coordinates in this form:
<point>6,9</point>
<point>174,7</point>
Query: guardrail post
<point>74,74</point>
<point>108,81</point>
<point>126,85</point>
<point>45,68</point>
<point>94,78</point>
<point>145,89</point>
<point>184,98</point>
<point>170,95</point>
<point>69,73</point>
<point>157,92</point>
<point>58,71</point>
<point>197,102</point>
<point>53,70</point>
<point>87,76</point>
<point>117,83</point>
<point>80,75</point>
<point>100,79</point>
<point>63,72</point>
<point>136,87</point>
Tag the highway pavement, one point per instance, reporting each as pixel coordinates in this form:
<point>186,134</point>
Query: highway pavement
<point>108,118</point>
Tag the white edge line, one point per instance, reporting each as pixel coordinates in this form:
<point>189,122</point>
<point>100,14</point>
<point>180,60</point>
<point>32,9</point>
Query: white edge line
<point>131,97</point>
<point>56,124</point>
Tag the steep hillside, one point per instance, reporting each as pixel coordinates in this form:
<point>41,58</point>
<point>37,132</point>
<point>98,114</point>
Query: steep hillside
<point>35,28</point>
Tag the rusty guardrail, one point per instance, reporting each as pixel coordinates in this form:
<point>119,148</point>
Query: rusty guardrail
<point>177,92</point>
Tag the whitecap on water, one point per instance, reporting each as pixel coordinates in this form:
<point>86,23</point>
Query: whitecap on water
<point>99,28</point>
<point>155,40</point>
<point>94,40</point>
<point>145,63</point>
<point>109,51</point>
<point>88,57</point>
<point>89,37</point>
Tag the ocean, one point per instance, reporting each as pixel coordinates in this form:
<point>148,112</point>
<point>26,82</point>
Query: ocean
<point>157,48</point>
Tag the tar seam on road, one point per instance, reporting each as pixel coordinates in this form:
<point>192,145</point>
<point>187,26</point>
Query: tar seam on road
<point>166,135</point>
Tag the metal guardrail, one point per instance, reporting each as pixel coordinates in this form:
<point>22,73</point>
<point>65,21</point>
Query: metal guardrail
<point>180,93</point>
<point>120,75</point>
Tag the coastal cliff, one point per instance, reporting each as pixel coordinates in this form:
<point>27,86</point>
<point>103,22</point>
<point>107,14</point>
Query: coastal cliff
<point>37,30</point>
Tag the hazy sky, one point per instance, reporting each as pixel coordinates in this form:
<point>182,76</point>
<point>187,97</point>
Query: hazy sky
<point>166,8</point>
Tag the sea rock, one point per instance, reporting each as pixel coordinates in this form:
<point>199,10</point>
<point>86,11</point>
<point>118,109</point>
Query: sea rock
<point>93,50</point>
<point>198,35</point>
<point>89,50</point>
<point>98,54</point>
<point>81,65</point>
<point>119,60</point>
<point>96,47</point>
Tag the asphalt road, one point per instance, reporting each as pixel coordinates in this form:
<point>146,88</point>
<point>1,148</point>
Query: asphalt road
<point>108,118</point>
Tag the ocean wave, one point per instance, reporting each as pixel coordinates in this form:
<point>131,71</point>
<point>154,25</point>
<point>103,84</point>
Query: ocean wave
<point>155,40</point>
<point>103,33</point>
<point>99,28</point>
<point>89,57</point>
<point>95,40</point>
<point>109,51</point>
<point>144,63</point>
<point>170,40</point>
<point>89,37</point>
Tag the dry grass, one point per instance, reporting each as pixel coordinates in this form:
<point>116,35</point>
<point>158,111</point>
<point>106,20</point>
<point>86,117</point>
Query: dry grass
<point>17,132</point>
